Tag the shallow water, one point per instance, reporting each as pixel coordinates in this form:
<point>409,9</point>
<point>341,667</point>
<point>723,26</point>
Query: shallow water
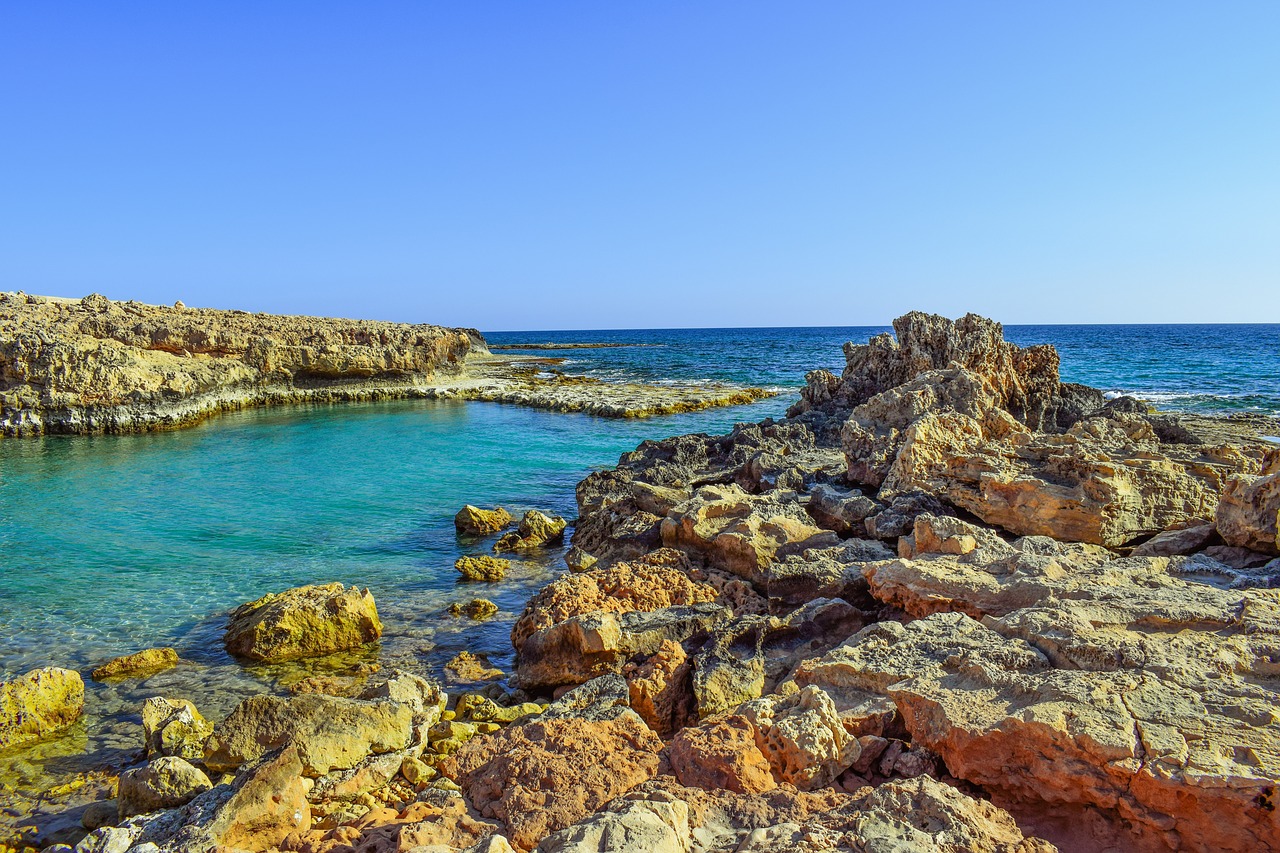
<point>109,544</point>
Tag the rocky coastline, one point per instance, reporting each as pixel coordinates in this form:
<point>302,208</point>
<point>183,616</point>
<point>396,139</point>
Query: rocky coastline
<point>97,366</point>
<point>948,603</point>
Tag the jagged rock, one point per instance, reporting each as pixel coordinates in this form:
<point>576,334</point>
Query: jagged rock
<point>1180,541</point>
<point>578,560</point>
<point>537,530</point>
<point>742,533</point>
<point>583,647</point>
<point>1126,708</point>
<point>899,517</point>
<point>39,703</point>
<point>166,783</point>
<point>544,775</point>
<point>802,737</point>
<point>654,827</point>
<point>1249,513</point>
<point>659,689</point>
<point>481,522</point>
<point>436,822</point>
<point>328,732</point>
<point>1236,558</point>
<point>303,622</point>
<point>174,727</point>
<point>424,697</point>
<point>482,568</point>
<point>1102,481</point>
<point>841,510</point>
<point>721,754</point>
<point>655,581</point>
<point>138,664</point>
<point>946,535</point>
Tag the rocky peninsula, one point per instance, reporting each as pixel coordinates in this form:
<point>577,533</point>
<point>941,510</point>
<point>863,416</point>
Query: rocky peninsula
<point>93,365</point>
<point>949,603</point>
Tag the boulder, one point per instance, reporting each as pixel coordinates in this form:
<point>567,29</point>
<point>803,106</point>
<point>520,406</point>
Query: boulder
<point>166,783</point>
<point>481,522</point>
<point>470,668</point>
<point>138,664</point>
<point>303,622</point>
<point>1249,513</point>
<point>482,568</point>
<point>653,582</point>
<point>327,732</point>
<point>537,530</point>
<point>841,510</point>
<point>802,737</point>
<point>174,727</point>
<point>654,827</point>
<point>478,609</point>
<point>721,754</point>
<point>1179,541</point>
<point>740,533</point>
<point>545,775</point>
<point>39,703</point>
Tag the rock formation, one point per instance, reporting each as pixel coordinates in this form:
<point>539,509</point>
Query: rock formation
<point>39,703</point>
<point>303,622</point>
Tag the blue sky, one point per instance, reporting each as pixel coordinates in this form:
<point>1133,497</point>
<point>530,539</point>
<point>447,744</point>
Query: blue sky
<point>612,165</point>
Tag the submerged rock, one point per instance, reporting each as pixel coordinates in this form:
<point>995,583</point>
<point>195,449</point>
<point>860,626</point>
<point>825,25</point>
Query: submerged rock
<point>138,664</point>
<point>305,621</point>
<point>39,703</point>
<point>482,568</point>
<point>476,608</point>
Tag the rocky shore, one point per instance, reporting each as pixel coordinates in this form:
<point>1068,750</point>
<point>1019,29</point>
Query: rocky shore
<point>93,365</point>
<point>948,603</point>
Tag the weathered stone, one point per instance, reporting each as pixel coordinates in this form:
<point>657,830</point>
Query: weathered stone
<point>841,510</point>
<point>1182,540</point>
<point>481,522</point>
<point>174,727</point>
<point>166,783</point>
<point>482,568</point>
<point>477,609</point>
<point>327,732</point>
<point>659,688</point>
<point>579,560</point>
<point>1249,513</point>
<point>638,825</point>
<point>722,753</point>
<point>469,668</point>
<point>802,737</point>
<point>39,703</point>
<point>544,775</point>
<point>303,622</point>
<point>742,533</point>
<point>138,664</point>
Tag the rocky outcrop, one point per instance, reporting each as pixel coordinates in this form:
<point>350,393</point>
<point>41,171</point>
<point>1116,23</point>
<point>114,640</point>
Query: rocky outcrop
<point>536,530</point>
<point>482,568</point>
<point>95,365</point>
<point>547,774</point>
<point>326,731</point>
<point>1249,513</point>
<point>39,703</point>
<point>303,622</point>
<point>174,727</point>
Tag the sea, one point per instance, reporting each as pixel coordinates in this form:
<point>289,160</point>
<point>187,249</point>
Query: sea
<point>111,544</point>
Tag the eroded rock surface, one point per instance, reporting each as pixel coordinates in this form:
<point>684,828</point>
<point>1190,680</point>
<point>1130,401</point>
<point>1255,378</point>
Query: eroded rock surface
<point>303,622</point>
<point>39,703</point>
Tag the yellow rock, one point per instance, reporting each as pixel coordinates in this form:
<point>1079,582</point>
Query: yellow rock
<point>138,664</point>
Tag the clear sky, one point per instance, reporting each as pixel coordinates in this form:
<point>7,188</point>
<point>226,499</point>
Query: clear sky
<point>543,165</point>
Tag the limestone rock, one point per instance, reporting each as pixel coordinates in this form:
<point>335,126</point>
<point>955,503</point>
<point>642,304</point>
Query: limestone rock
<point>659,687</point>
<point>542,776</point>
<point>722,753</point>
<point>841,510</point>
<point>481,522</point>
<point>166,783</point>
<point>1249,513</point>
<point>654,827</point>
<point>651,583</point>
<point>802,737</point>
<point>740,533</point>
<point>39,703</point>
<point>1180,541</point>
<point>482,568</point>
<point>538,528</point>
<point>477,609</point>
<point>174,727</point>
<point>327,732</point>
<point>138,664</point>
<point>578,560</point>
<point>303,622</point>
<point>469,668</point>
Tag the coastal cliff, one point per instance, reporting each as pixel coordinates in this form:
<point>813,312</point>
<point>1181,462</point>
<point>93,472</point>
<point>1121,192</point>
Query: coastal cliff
<point>97,366</point>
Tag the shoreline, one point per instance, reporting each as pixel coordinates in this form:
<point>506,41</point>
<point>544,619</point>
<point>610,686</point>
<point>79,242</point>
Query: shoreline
<point>910,552</point>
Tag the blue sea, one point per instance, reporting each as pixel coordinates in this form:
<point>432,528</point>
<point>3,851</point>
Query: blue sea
<point>110,544</point>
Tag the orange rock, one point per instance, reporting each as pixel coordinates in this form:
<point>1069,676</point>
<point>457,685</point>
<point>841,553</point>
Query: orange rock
<point>545,775</point>
<point>721,755</point>
<point>659,687</point>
